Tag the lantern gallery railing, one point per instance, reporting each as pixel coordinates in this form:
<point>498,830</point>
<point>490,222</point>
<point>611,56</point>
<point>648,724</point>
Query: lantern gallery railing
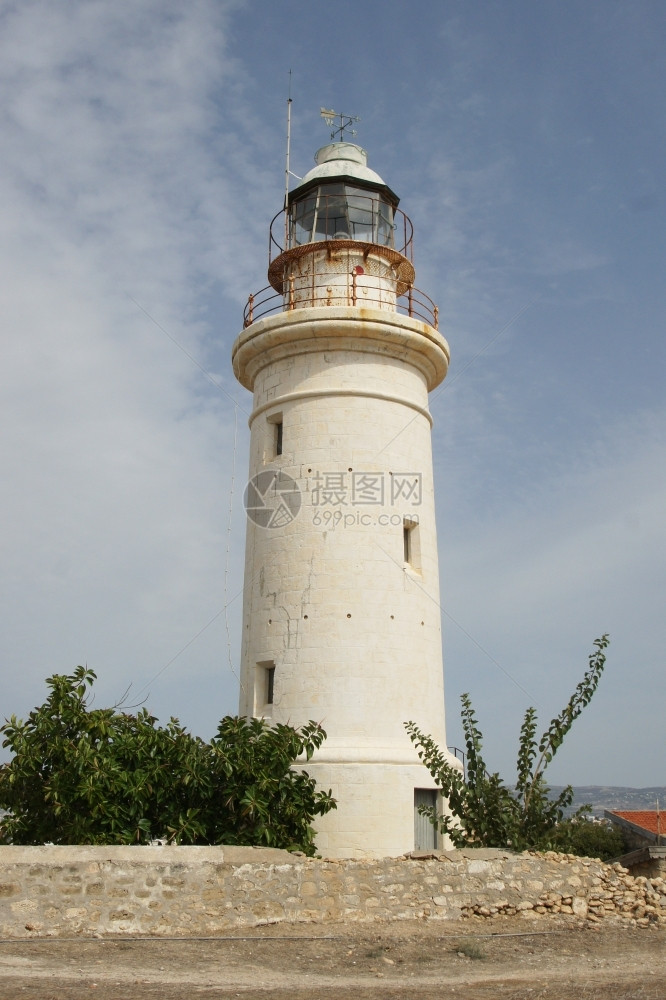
<point>413,302</point>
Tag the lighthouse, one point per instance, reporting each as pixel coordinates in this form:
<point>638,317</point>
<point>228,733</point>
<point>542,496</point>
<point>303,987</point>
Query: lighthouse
<point>341,612</point>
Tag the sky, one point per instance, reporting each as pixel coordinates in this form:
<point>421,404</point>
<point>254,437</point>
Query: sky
<point>143,155</point>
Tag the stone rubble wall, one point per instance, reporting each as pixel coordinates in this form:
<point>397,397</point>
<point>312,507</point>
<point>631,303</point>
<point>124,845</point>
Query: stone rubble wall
<point>191,891</point>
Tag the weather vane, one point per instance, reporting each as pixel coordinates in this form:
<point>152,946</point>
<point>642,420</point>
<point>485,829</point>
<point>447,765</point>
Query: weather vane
<point>346,121</point>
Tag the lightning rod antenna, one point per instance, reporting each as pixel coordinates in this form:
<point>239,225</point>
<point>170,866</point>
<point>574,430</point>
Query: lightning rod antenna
<point>286,169</point>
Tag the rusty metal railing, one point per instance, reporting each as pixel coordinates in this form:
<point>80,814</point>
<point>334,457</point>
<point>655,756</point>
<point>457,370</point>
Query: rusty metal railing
<point>413,303</point>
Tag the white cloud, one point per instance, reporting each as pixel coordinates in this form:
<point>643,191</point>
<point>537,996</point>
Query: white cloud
<point>116,449</point>
<point>536,579</point>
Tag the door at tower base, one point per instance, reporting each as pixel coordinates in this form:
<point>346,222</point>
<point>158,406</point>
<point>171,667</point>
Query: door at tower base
<point>375,815</point>
<point>425,834</point>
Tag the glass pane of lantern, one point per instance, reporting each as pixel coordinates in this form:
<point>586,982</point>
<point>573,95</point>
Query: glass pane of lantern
<point>360,211</point>
<point>332,220</point>
<point>303,217</point>
<point>385,227</point>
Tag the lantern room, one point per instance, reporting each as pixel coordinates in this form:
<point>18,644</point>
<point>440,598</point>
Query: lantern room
<point>341,240</point>
<point>342,199</point>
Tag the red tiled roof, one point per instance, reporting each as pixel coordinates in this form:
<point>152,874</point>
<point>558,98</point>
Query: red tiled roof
<point>645,818</point>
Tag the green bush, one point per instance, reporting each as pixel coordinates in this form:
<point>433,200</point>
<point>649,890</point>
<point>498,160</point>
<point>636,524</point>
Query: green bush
<point>103,776</point>
<point>484,812</point>
<point>588,839</point>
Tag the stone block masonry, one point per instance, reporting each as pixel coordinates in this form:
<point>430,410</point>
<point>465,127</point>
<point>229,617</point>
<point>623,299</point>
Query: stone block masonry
<point>195,891</point>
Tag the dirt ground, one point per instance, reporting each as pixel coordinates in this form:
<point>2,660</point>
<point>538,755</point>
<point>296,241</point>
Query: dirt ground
<point>506,959</point>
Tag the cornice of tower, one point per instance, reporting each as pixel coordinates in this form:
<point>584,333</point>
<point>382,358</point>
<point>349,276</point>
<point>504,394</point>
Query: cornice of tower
<point>351,328</point>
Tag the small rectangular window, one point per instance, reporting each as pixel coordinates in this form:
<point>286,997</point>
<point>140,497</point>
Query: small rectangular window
<point>275,438</point>
<point>411,543</point>
<point>264,688</point>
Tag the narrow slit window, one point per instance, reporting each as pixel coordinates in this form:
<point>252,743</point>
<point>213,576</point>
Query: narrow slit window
<point>264,688</point>
<point>411,543</point>
<point>275,436</point>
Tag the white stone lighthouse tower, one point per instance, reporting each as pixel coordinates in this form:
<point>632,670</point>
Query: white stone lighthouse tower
<point>341,619</point>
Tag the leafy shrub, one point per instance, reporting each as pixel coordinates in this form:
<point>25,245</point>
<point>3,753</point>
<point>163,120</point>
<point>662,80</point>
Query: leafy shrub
<point>481,810</point>
<point>103,776</point>
<point>588,839</point>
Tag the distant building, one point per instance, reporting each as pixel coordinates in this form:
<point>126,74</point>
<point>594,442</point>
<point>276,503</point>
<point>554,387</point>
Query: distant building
<point>644,831</point>
<point>640,827</point>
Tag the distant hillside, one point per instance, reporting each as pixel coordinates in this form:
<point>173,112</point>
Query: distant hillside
<point>602,797</point>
